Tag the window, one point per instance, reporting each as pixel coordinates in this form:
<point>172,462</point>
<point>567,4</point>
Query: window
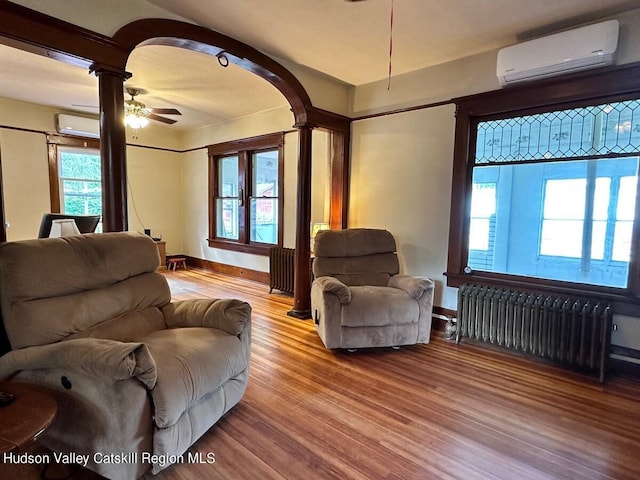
<point>246,188</point>
<point>75,176</point>
<point>556,220</point>
<point>80,181</point>
<point>552,189</point>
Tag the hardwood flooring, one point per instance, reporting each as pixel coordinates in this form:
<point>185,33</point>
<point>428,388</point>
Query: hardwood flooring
<point>436,411</point>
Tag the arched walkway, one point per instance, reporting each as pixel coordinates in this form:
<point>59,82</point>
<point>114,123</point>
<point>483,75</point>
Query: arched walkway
<point>107,58</point>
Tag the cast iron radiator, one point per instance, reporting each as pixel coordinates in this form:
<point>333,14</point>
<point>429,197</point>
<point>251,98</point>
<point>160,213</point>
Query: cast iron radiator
<point>569,331</point>
<point>281,269</point>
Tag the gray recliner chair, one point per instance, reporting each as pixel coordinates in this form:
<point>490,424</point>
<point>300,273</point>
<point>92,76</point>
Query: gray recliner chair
<point>90,318</point>
<point>358,298</point>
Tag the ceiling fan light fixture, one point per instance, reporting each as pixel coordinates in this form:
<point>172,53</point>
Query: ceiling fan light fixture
<point>136,114</point>
<point>135,121</point>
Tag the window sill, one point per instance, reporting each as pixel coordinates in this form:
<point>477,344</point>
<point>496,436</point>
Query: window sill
<point>256,249</point>
<point>455,279</point>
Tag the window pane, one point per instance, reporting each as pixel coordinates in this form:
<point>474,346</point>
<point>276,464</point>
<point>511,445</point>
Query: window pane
<point>564,199</point>
<point>625,211</point>
<point>598,237</point>
<point>483,207</point>
<point>80,164</point>
<point>561,238</point>
<point>479,234</point>
<point>228,177</point>
<point>483,200</point>
<point>80,182</point>
<point>264,220</point>
<point>622,241</point>
<point>265,174</point>
<point>601,198</point>
<point>627,198</point>
<point>227,222</point>
<point>538,228</point>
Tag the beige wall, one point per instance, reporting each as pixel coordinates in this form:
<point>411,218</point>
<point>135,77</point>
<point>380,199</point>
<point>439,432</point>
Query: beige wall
<point>195,186</point>
<point>401,164</point>
<point>155,195</point>
<point>25,170</point>
<point>106,18</point>
<point>155,184</point>
<point>25,177</point>
<point>400,180</point>
<point>195,193</point>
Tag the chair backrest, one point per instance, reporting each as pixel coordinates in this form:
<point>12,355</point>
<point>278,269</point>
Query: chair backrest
<point>85,223</point>
<point>98,285</point>
<point>356,256</point>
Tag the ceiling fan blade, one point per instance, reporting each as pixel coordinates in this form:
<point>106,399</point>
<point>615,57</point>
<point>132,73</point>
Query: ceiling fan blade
<point>165,111</point>
<point>158,118</point>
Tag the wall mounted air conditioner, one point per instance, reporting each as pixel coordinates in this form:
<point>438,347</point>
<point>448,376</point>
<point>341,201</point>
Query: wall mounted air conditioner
<point>565,52</point>
<point>81,126</point>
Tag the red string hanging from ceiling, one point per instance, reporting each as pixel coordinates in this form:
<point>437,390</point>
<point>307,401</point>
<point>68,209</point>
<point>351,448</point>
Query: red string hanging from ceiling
<point>390,45</point>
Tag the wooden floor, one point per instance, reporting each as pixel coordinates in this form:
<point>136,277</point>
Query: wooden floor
<point>436,411</point>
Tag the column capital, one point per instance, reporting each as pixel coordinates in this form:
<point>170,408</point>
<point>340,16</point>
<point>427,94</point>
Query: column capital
<point>100,69</point>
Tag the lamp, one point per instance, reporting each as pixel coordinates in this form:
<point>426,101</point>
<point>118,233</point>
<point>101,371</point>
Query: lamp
<point>315,228</point>
<point>64,228</point>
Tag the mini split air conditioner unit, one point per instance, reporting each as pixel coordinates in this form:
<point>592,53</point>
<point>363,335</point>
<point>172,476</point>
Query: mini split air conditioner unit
<point>565,52</point>
<point>81,126</point>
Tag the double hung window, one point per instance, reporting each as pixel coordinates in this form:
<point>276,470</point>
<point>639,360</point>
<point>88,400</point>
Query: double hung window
<point>80,181</point>
<point>246,187</point>
<point>75,176</point>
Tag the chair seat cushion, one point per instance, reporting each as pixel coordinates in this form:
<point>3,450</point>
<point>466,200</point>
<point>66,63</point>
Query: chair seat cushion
<point>373,306</point>
<point>191,363</point>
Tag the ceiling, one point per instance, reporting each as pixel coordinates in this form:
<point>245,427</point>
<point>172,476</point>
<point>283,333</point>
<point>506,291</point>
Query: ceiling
<point>348,41</point>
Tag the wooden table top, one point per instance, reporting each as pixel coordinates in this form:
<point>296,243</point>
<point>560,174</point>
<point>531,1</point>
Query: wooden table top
<point>23,420</point>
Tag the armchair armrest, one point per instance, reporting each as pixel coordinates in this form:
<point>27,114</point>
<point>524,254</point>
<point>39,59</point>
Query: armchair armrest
<point>413,286</point>
<point>229,315</point>
<point>335,286</point>
<point>95,357</point>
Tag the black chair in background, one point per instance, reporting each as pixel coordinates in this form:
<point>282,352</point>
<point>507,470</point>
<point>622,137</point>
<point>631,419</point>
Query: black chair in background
<point>85,223</point>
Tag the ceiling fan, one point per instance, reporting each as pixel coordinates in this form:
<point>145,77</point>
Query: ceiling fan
<point>139,109</point>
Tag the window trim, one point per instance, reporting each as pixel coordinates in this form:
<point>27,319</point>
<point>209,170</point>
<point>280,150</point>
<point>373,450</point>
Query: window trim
<point>53,142</point>
<point>243,148</point>
<point>572,91</point>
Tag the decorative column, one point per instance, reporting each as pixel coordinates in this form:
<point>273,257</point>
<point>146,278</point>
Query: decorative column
<point>113,149</point>
<point>302,279</point>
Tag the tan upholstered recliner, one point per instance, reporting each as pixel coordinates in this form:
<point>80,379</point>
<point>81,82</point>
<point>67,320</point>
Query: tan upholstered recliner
<point>358,299</point>
<point>134,374</point>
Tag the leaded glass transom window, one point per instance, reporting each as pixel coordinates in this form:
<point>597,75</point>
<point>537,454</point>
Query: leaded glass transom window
<point>588,132</point>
